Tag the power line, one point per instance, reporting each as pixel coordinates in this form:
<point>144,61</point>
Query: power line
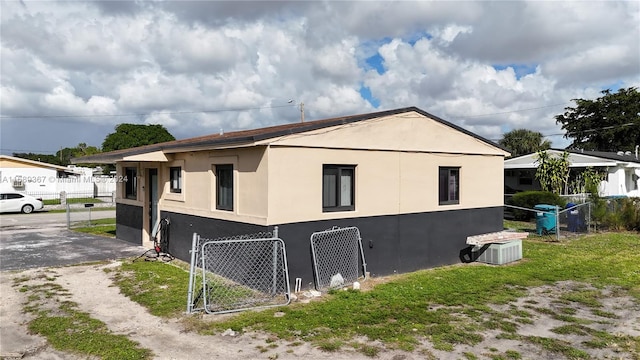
<point>509,112</point>
<point>142,114</point>
<point>588,130</point>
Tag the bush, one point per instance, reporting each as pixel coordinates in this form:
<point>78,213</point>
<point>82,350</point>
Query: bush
<point>529,199</point>
<point>620,214</point>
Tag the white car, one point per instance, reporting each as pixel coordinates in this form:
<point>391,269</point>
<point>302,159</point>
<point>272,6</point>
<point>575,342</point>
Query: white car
<point>17,202</point>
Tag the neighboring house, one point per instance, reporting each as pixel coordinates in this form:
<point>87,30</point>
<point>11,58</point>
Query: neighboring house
<point>33,177</point>
<point>415,185</point>
<point>47,181</point>
<point>623,170</point>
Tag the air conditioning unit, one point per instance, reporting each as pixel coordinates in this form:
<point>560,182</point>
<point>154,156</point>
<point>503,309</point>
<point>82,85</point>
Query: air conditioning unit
<point>499,254</point>
<point>18,182</point>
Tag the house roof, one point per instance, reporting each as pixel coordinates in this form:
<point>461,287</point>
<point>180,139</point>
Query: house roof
<point>247,137</point>
<point>40,164</point>
<point>577,159</point>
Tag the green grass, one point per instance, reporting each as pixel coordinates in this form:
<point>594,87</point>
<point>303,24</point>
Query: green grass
<point>68,329</point>
<point>85,200</point>
<point>161,287</point>
<point>447,305</point>
<point>102,227</point>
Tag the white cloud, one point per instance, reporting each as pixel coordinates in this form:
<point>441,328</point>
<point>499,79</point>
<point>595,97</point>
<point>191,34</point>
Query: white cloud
<point>477,64</point>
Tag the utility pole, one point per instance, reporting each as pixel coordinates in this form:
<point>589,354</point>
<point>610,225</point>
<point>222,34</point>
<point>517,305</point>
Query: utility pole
<point>301,112</point>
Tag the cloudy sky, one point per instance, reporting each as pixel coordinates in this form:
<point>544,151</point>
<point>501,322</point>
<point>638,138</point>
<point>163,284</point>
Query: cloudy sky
<point>71,71</point>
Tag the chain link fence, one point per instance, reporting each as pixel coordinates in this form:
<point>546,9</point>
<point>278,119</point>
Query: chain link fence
<point>238,273</point>
<point>80,215</point>
<point>337,256</point>
<point>555,221</point>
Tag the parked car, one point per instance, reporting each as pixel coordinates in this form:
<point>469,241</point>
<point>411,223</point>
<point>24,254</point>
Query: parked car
<point>17,202</point>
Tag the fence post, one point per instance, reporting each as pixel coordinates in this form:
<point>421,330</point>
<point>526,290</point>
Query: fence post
<point>557,223</point>
<point>192,270</point>
<point>113,197</point>
<point>589,219</point>
<point>68,216</point>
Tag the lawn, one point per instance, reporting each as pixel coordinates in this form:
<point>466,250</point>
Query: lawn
<point>102,227</point>
<point>447,307</point>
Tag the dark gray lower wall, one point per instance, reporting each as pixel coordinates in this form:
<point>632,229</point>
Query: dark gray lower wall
<point>182,227</point>
<point>392,244</point>
<point>129,223</point>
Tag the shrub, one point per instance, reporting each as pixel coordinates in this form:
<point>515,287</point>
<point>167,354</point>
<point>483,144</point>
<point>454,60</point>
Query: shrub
<point>529,199</point>
<point>622,214</point>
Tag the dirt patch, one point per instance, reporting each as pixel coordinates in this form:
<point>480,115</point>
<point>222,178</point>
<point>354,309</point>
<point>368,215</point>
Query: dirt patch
<point>567,315</point>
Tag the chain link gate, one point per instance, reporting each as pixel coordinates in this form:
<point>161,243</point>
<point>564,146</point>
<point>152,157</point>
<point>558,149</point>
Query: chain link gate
<point>238,273</point>
<point>337,253</point>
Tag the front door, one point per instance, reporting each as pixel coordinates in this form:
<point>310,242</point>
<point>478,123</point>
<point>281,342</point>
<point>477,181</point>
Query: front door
<point>153,200</point>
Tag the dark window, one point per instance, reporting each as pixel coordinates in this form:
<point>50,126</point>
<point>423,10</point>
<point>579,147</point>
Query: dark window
<point>338,188</point>
<point>525,181</point>
<point>449,185</point>
<point>131,183</point>
<point>11,196</point>
<point>175,179</point>
<point>224,186</point>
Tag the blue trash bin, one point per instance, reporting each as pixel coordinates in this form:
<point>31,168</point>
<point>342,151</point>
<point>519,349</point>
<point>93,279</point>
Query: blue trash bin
<point>545,219</point>
<point>573,218</point>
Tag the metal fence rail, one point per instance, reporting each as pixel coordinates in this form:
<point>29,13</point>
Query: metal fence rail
<point>575,218</point>
<point>337,257</point>
<point>238,273</point>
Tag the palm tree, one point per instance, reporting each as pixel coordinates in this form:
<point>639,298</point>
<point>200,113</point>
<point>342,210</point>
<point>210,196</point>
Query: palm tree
<point>523,141</point>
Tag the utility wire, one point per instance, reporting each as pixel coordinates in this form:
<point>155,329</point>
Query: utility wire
<point>142,114</point>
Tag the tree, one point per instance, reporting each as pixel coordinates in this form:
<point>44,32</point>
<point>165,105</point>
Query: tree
<point>609,123</point>
<point>523,141</point>
<point>553,172</point>
<point>82,149</point>
<point>46,158</point>
<point>133,135</point>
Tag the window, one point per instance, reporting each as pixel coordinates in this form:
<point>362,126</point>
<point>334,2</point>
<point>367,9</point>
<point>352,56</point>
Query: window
<point>525,181</point>
<point>131,183</point>
<point>175,179</point>
<point>338,188</point>
<point>449,185</point>
<point>224,187</point>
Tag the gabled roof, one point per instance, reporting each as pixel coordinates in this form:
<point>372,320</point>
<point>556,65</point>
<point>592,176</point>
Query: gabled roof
<point>248,137</point>
<point>40,164</point>
<point>577,158</point>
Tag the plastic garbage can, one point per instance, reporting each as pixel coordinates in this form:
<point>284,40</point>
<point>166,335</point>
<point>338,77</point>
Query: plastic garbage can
<point>545,219</point>
<point>573,218</point>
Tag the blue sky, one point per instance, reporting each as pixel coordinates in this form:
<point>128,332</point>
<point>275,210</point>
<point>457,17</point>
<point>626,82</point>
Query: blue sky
<point>74,70</point>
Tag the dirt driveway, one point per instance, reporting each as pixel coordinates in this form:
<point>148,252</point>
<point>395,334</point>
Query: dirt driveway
<point>92,289</point>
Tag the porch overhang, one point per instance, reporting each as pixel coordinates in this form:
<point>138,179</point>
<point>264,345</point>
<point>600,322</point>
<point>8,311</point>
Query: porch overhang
<point>155,156</point>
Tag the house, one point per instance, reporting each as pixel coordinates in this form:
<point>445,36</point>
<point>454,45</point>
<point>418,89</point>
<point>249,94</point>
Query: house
<point>415,185</point>
<point>37,178</point>
<point>622,168</point>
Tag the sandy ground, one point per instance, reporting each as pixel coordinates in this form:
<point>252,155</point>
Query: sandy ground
<point>92,289</point>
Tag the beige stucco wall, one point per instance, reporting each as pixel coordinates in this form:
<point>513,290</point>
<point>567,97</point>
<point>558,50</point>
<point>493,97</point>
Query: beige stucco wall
<point>387,182</point>
<point>403,132</point>
<point>199,184</point>
<point>8,163</point>
<point>280,180</point>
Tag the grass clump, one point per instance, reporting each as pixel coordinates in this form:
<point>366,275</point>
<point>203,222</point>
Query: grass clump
<point>448,305</point>
<point>67,328</point>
